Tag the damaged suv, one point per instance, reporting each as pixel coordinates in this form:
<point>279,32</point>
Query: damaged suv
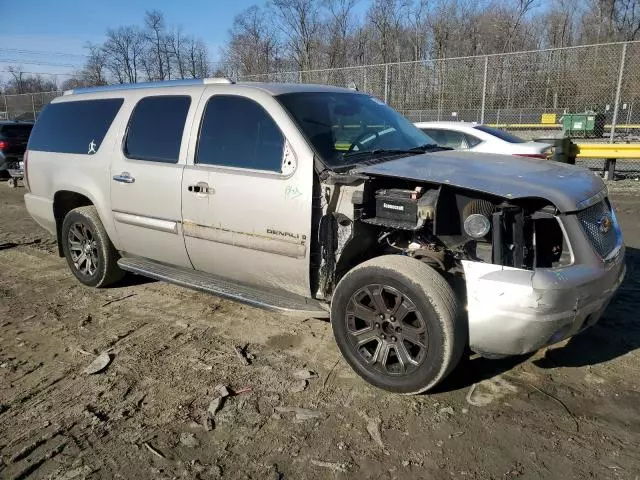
<point>324,202</point>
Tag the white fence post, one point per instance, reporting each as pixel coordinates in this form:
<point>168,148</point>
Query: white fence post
<point>617,100</point>
<point>484,88</point>
<point>364,74</point>
<point>386,83</point>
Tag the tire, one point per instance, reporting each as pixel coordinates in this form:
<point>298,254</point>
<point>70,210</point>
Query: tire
<point>408,354</point>
<point>99,268</point>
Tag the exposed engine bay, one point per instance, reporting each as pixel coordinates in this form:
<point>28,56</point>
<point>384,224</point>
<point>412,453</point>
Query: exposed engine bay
<point>363,217</point>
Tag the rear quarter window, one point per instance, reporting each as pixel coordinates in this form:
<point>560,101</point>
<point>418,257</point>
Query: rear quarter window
<point>501,134</point>
<point>75,126</point>
<point>155,128</point>
<point>472,141</point>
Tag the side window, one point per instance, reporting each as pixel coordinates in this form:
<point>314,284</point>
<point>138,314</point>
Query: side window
<point>472,140</point>
<point>435,134</point>
<point>74,126</point>
<point>238,132</point>
<point>155,128</point>
<point>447,138</point>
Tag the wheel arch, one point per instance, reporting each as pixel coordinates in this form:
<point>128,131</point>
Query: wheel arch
<point>63,202</point>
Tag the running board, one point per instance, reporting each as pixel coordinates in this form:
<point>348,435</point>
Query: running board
<point>274,300</point>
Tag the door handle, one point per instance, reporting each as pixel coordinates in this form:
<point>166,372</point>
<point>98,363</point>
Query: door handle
<point>124,177</point>
<point>201,188</point>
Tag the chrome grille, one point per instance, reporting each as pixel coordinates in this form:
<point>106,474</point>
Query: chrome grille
<point>593,220</point>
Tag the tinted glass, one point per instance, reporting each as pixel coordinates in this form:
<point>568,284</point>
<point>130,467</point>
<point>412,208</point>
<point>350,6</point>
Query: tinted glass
<point>336,123</point>
<point>156,127</point>
<point>471,140</point>
<point>15,131</point>
<point>237,132</point>
<point>501,134</point>
<point>73,127</point>
<point>447,138</point>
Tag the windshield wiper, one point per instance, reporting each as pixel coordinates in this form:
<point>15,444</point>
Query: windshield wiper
<point>377,152</point>
<point>429,147</point>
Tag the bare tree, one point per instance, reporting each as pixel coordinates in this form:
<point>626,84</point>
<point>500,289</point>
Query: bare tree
<point>154,35</point>
<point>340,26</point>
<point>17,79</point>
<point>300,23</point>
<point>94,71</point>
<point>522,9</point>
<point>385,18</point>
<point>21,82</point>
<point>123,50</point>
<point>253,43</point>
<point>197,58</point>
<point>175,54</point>
<point>417,14</point>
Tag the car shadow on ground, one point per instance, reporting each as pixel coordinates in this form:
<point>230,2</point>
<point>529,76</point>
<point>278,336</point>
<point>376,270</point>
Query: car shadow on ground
<point>131,280</point>
<point>617,333</point>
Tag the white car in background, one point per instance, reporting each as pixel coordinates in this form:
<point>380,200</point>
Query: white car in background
<point>482,138</point>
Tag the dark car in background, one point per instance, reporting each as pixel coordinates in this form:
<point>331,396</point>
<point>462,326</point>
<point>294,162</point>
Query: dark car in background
<point>13,143</point>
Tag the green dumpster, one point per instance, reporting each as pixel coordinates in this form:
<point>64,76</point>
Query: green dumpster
<point>587,124</point>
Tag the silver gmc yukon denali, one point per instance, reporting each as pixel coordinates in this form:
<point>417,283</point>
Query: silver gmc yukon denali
<point>324,202</point>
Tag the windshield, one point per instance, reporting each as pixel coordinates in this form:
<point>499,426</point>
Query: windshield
<point>342,125</point>
<point>16,131</point>
<point>501,134</point>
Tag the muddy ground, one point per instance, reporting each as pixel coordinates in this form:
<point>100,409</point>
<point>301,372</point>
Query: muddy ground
<point>570,411</point>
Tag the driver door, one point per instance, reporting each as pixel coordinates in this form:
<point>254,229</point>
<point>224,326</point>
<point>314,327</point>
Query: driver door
<point>247,192</point>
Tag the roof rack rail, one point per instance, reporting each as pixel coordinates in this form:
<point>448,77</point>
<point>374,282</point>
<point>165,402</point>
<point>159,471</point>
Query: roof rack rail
<point>164,83</point>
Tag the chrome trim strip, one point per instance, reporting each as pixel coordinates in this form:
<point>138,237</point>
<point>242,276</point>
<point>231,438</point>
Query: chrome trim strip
<point>618,231</point>
<point>598,197</point>
<point>567,240</point>
<point>253,241</point>
<point>168,226</point>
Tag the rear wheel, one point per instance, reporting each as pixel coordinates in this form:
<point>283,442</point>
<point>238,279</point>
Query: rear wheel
<point>397,323</point>
<point>89,252</point>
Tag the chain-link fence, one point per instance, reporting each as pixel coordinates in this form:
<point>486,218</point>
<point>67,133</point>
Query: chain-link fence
<point>524,92</point>
<point>26,106</point>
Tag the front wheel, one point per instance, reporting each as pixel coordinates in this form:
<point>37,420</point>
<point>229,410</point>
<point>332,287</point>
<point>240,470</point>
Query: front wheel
<point>89,252</point>
<point>397,323</point>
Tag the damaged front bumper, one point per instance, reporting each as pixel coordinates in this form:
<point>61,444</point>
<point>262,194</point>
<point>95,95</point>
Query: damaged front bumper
<point>513,311</point>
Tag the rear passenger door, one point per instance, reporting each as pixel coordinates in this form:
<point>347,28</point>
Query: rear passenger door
<point>247,193</point>
<point>146,178</point>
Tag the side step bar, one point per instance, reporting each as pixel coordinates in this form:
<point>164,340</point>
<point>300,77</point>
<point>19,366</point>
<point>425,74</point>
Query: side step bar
<point>278,301</point>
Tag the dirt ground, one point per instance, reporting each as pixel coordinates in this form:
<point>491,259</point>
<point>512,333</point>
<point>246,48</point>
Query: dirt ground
<point>569,411</point>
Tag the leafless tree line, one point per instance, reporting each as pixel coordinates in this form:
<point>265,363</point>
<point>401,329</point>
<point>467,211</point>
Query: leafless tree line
<point>130,54</point>
<point>152,52</point>
<point>291,35</point>
<point>317,34</point>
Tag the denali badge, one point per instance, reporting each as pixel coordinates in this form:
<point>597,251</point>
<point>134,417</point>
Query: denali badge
<point>393,207</point>
<point>605,223</point>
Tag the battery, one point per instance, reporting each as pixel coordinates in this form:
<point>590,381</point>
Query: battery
<point>397,204</point>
